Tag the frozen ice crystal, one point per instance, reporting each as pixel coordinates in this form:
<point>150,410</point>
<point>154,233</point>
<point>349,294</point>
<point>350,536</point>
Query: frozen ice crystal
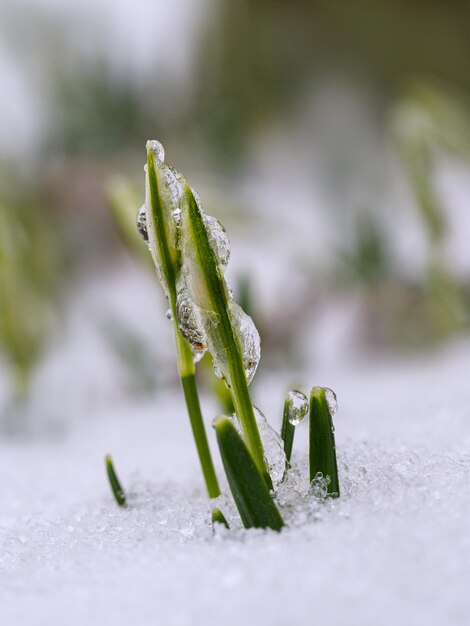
<point>297,407</point>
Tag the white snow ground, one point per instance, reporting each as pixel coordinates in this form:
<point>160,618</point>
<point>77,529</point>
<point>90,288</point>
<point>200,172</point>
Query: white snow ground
<point>394,550</point>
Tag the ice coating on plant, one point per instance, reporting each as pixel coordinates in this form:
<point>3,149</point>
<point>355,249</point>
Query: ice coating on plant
<point>297,407</point>
<point>141,221</point>
<point>173,187</point>
<point>170,184</point>
<point>157,149</point>
<point>273,447</point>
<point>218,239</point>
<point>249,339</point>
<point>331,400</point>
<point>189,322</point>
<point>272,443</point>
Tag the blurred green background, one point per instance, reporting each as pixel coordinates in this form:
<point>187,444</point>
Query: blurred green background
<point>331,138</point>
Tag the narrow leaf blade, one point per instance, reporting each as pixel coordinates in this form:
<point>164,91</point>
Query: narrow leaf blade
<point>254,502</point>
<point>322,453</point>
<point>116,488</point>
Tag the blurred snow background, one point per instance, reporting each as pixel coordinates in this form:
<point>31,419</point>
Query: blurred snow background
<point>332,142</point>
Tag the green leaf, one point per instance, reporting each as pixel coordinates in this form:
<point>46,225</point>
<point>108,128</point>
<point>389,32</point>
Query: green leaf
<point>287,432</point>
<point>295,410</point>
<point>322,454</point>
<point>116,488</point>
<point>219,518</point>
<point>209,292</point>
<point>158,229</point>
<point>248,486</point>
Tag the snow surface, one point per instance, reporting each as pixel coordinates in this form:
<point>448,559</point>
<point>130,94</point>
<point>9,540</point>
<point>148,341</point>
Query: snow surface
<point>395,549</point>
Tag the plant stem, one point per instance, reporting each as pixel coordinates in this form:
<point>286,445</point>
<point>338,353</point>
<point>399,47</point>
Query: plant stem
<point>188,381</point>
<point>184,354</point>
<point>322,453</point>
<point>287,432</point>
<point>187,373</point>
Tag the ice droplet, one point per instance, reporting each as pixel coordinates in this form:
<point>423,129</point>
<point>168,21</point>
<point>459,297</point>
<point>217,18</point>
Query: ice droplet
<point>331,400</point>
<point>297,407</point>
<point>189,323</point>
<point>169,314</point>
<point>319,486</point>
<point>157,149</point>
<point>142,223</point>
<point>248,336</point>
<point>217,238</point>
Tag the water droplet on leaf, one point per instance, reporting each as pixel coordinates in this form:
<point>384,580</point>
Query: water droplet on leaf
<point>297,407</point>
<point>331,400</point>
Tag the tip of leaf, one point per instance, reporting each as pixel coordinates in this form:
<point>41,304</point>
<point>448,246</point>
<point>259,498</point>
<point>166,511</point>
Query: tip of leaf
<point>219,518</point>
<point>317,391</point>
<point>220,421</point>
